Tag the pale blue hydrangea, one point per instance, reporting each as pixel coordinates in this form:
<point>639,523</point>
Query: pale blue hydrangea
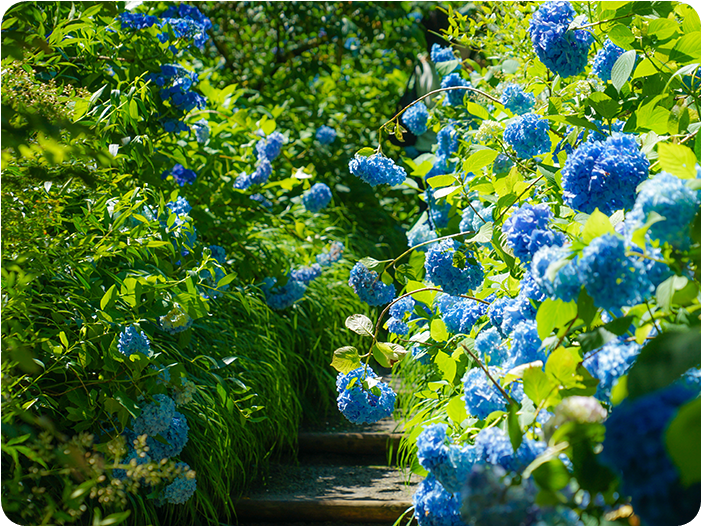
<point>176,436</point>
<point>306,274</point>
<point>609,363</point>
<point>420,354</point>
<point>377,169</point>
<point>368,286</point>
<point>282,297</point>
<point>488,343</point>
<point>420,233</point>
<point>527,230</point>
<point>563,51</point>
<point>260,198</point>
<point>415,118</point>
<point>472,218</point>
<point>132,341</point>
<point>403,306</point>
<point>155,417</point>
<point>604,174</point>
<point>262,172</point>
<point>317,197</point>
<point>438,210</point>
<point>605,59</point>
<point>396,326</point>
<point>496,313</point>
<point>670,197</point>
<point>269,147</point>
<point>180,174</point>
<point>219,254</point>
<point>454,471</point>
<point>462,315</point>
<point>432,446</point>
<point>526,345</point>
<point>176,320</point>
<point>517,100</point>
<point>202,131</point>
<point>528,135</point>
<point>360,405</point>
<point>691,379</point>
<point>612,278</point>
<point>182,488</point>
<point>447,140</point>
<point>482,397</point>
<point>493,446</point>
<point>331,255</point>
<point>454,280</point>
<point>441,54</point>
<point>433,505</point>
<point>454,97</point>
<point>565,282</point>
<point>325,135</point>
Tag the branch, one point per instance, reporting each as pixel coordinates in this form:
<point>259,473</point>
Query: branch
<point>487,372</point>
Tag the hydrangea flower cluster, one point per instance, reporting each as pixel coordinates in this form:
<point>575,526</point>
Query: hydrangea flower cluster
<point>175,435</point>
<point>454,97</point>
<point>489,131</point>
<point>368,286</point>
<point>132,341</point>
<point>420,233</point>
<point>454,279</point>
<point>395,324</point>
<point>526,345</point>
<point>563,51</point>
<point>325,135</point>
<point>472,218</point>
<point>447,140</point>
<point>188,23</point>
<point>361,405</point>
<point>605,59</point>
<point>179,207</point>
<point>488,498</point>
<point>137,20</point>
<point>648,474</point>
<point>528,135</point>
<point>447,462</point>
<point>316,198</point>
<point>306,274</point>
<point>502,164</point>
<point>493,446</point>
<point>609,363</point>
<point>218,253</point>
<point>176,83</point>
<point>432,448</point>
<point>670,197</point>
<point>565,283</point>
<point>282,297</point>
<point>527,230</point>
<point>515,99</point>
<point>611,277</point>
<point>259,176</point>
<point>334,254</point>
<point>415,118</point>
<point>155,417</point>
<point>482,397</point>
<point>176,320</point>
<point>260,198</point>
<point>433,505</point>
<point>604,174</point>
<point>488,343</point>
<point>441,54</point>
<point>377,169</point>
<point>182,488</point>
<point>201,129</point>
<point>269,147</point>
<point>182,229</point>
<point>462,315</point>
<point>180,174</point>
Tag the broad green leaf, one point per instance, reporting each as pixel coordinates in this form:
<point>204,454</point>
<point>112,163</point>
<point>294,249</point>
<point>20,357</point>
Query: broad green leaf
<point>360,324</point>
<point>662,28</point>
<point>551,475</point>
<point>438,330</point>
<point>687,48</point>
<point>346,359</point>
<point>444,68</point>
<point>447,365</point>
<point>226,279</point>
<point>484,235</point>
<point>479,159</point>
<point>622,69</point>
<point>537,385</point>
<point>510,66</point>
<point>456,409</point>
<point>108,299</point>
<point>621,36</point>
<point>366,152</point>
<point>666,290</point>
<point>678,160</point>
<point>595,339</point>
<point>426,297</point>
<point>513,428</point>
<point>441,181</point>
<point>603,104</point>
<point>683,442</point>
<point>446,191</point>
<point>597,225</point>
<point>644,69</point>
<point>638,237</point>
<point>477,110</point>
<point>554,314</point>
<point>372,264</point>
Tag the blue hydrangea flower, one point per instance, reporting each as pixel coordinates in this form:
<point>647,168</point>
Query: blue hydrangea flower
<point>132,341</point>
<point>611,278</point>
<point>325,135</point>
<point>668,196</point>
<point>472,218</point>
<point>488,343</point>
<point>441,270</point>
<point>188,22</point>
<point>174,125</point>
<point>482,397</point>
<point>260,198</point>
<point>415,118</point>
<point>176,83</point>
<point>462,315</point>
<point>526,345</point>
<point>517,100</point>
<point>438,210</point>
<point>609,363</point>
<point>333,254</point>
<point>564,281</point>
<point>182,488</point>
<point>691,379</point>
<point>269,147</point>
<point>433,505</point>
<point>454,97</point>
<point>420,233</point>
<point>563,51</point>
<point>242,182</point>
<point>219,254</point>
<point>400,308</point>
<point>368,286</point>
<point>396,326</point>
<point>306,274</point>
<point>432,447</point>
<point>454,471</point>
<point>488,498</point>
<point>261,173</point>
<point>137,20</point>
<point>181,175</point>
<point>447,140</point>
<point>647,473</point>
<point>420,354</point>
<point>605,59</point>
<point>176,320</point>
<point>502,164</point>
<point>176,436</point>
<point>527,230</point>
<point>316,198</point>
<point>496,313</point>
<point>359,405</point>
<point>441,54</point>
<point>528,135</point>
<point>493,446</point>
<point>282,297</point>
<point>202,131</point>
<point>155,417</point>
<point>377,169</point>
<point>604,174</point>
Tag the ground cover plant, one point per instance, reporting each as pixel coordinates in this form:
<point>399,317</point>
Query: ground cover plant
<point>546,314</point>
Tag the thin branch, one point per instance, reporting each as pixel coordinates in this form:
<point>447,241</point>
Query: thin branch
<point>487,372</point>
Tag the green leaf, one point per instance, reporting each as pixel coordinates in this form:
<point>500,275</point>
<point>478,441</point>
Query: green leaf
<point>621,35</point>
<point>687,48</point>
<point>388,353</point>
<point>426,297</point>
<point>662,28</point>
<point>554,314</point>
<point>551,475</point>
<point>444,68</point>
<point>595,339</point>
<point>446,191</point>
<point>484,235</point>
<point>441,181</point>
<point>603,104</point>
<point>597,225</point>
<point>622,69</point>
<point>638,237</point>
<point>678,160</point>
<point>374,265</point>
<point>513,428</point>
<point>108,299</point>
<point>479,159</point>
<point>456,409</point>
<point>447,366</point>
<point>562,364</point>
<point>644,69</point>
<point>666,290</point>
<point>438,330</point>
<point>366,152</point>
<point>114,519</point>
<point>226,280</point>
<point>683,442</point>
<point>663,360</point>
<point>510,66</point>
<point>346,359</point>
<point>537,385</point>
<point>360,324</point>
<point>477,110</point>
<point>586,307</point>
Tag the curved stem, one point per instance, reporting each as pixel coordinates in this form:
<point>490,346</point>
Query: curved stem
<point>393,262</point>
<point>487,372</point>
